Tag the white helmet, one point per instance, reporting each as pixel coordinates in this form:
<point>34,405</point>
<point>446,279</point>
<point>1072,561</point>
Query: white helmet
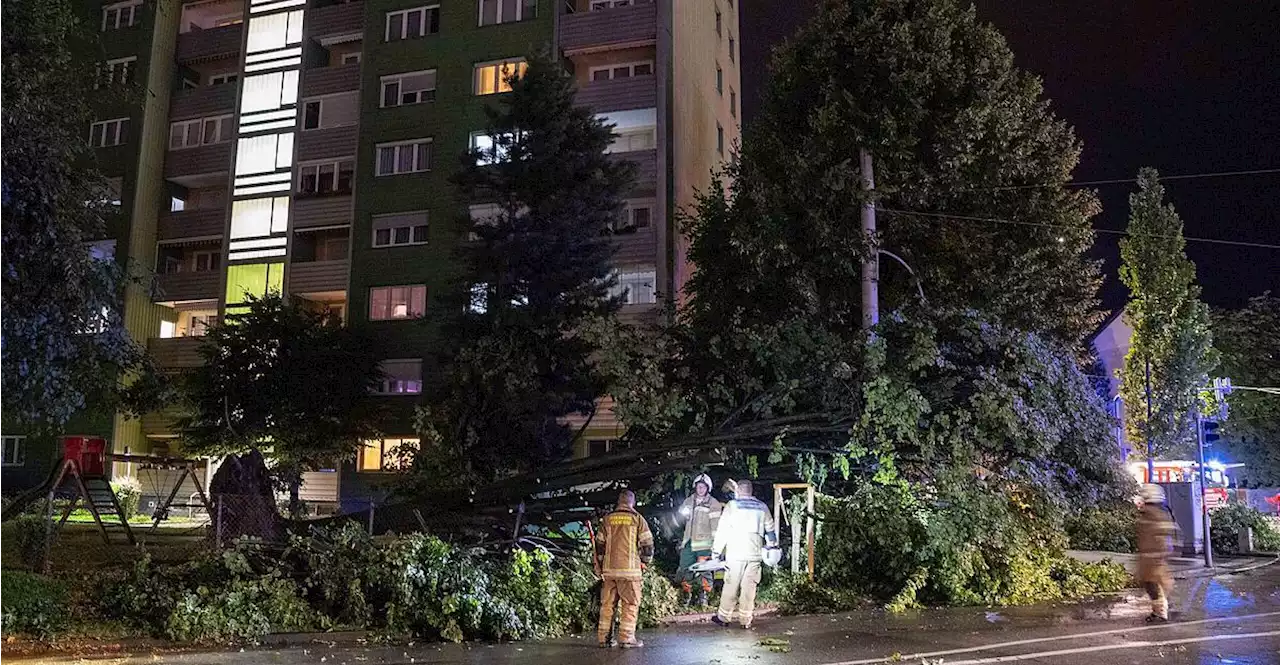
<point>704,479</point>
<point>1152,493</point>
<point>772,556</point>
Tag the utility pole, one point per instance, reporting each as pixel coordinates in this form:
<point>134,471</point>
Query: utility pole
<point>1204,493</point>
<point>871,264</point>
<point>1151,455</point>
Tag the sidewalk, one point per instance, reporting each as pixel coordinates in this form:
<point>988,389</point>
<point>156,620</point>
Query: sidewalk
<point>1182,567</point>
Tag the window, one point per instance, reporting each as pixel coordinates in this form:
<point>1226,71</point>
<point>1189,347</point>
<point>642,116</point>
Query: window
<point>410,23</point>
<point>493,77</point>
<point>326,178</point>
<point>622,71</point>
<point>109,132</point>
<point>488,151</point>
<point>176,204</point>
<point>507,11</point>
<point>719,139</point>
<point>388,303</point>
<point>402,228</point>
<point>205,261</point>
<point>636,287</point>
<point>15,450</point>
<point>409,88</point>
<point>200,131</point>
<point>719,21</point>
<point>117,72</point>
<point>401,377</point>
<point>224,78</point>
<point>719,79</point>
<point>597,5</point>
<point>350,58</point>
<point>386,455</point>
<point>732,47</point>
<point>637,214</point>
<point>121,15</point>
<point>332,111</point>
<point>404,157</point>
<point>733,103</point>
<point>636,138</point>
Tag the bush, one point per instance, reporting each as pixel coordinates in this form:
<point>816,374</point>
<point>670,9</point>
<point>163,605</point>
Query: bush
<point>658,599</point>
<point>32,604</point>
<point>1225,524</point>
<point>128,495</point>
<point>29,532</point>
<point>797,594</point>
<point>1108,528</point>
<point>1077,578</point>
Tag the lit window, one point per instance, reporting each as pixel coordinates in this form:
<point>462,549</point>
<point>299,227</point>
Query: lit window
<point>117,72</point>
<point>255,279</point>
<point>404,157</point>
<point>410,23</point>
<point>401,377</point>
<point>635,287</point>
<point>263,154</point>
<point>507,11</point>
<point>329,178</point>
<point>495,77</point>
<point>109,132</point>
<point>487,150</point>
<point>386,455</point>
<point>622,71</point>
<point>272,32</point>
<point>121,15</point>
<point>409,88</point>
<point>268,92</point>
<point>403,228</point>
<point>331,111</point>
<point>14,451</point>
<point>633,139</point>
<point>257,218</point>
<point>388,303</point>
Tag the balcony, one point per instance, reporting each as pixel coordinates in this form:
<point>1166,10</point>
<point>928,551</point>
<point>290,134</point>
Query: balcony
<point>330,80</point>
<point>205,100</point>
<point>187,165</point>
<point>638,246</point>
<point>209,44</point>
<point>608,29</point>
<point>317,276</point>
<point>335,21</point>
<point>175,352</point>
<point>646,162</point>
<point>206,223</point>
<point>319,211</point>
<point>186,286</point>
<point>327,143</point>
<point>637,92</point>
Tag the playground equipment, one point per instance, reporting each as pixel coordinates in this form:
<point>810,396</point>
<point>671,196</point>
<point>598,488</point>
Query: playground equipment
<point>84,466</point>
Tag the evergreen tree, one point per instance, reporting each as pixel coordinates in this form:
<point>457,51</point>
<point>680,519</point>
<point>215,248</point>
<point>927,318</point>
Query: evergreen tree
<point>1249,342</point>
<point>1171,330</point>
<point>539,269</point>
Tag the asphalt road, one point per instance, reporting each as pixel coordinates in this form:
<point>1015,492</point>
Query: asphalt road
<point>1231,619</point>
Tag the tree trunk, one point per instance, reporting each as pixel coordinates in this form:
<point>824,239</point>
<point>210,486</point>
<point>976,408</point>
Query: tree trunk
<point>243,486</point>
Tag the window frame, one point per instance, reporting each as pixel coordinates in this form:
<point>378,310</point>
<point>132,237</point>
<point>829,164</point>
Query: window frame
<point>122,129</point>
<point>213,258</point>
<point>19,456</point>
<point>223,123</point>
<point>320,114</point>
<point>719,79</point>
<point>351,58</point>
<point>620,290</point>
<point>629,134</point>
<point>226,77</point>
<point>719,22</point>
<point>630,66</point>
<point>404,23</point>
<point>398,79</point>
<point>499,20</point>
<point>336,163</point>
<point>629,206</point>
<point>107,72</point>
<point>733,102</point>
<point>719,139</point>
<point>381,446</point>
<point>500,81</point>
<point>409,312</point>
<point>388,380</point>
<point>119,7</point>
<point>417,168</point>
<point>391,235</point>
<point>732,44</point>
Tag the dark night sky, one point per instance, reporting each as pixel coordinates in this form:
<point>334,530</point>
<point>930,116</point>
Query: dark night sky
<point>1186,86</point>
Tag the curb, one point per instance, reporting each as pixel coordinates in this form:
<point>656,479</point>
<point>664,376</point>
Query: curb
<point>705,617</point>
<point>1217,571</point>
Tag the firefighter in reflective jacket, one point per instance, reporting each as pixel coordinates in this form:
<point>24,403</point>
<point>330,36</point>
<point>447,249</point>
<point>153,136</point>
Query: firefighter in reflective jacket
<point>746,527</point>
<point>624,546</point>
<point>701,515</point>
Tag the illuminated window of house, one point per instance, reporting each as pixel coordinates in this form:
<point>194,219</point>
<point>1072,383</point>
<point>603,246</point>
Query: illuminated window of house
<point>386,455</point>
<point>635,214</point>
<point>494,77</point>
<point>256,279</point>
<point>636,286</point>
<point>401,377</point>
<point>387,303</point>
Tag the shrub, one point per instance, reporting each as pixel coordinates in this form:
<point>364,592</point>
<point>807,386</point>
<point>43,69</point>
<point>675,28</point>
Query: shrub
<point>1109,528</point>
<point>797,594</point>
<point>29,532</point>
<point>1225,524</point>
<point>658,599</point>
<point>128,495</point>
<point>1077,578</point>
<point>32,604</point>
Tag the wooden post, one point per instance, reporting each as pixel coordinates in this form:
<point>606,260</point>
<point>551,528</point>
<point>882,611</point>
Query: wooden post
<point>809,528</point>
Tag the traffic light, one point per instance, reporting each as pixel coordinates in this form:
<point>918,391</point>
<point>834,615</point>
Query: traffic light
<point>1211,435</point>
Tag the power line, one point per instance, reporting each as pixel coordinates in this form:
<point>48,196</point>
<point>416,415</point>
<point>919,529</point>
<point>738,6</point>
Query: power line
<point>1121,181</point>
<point>995,220</point>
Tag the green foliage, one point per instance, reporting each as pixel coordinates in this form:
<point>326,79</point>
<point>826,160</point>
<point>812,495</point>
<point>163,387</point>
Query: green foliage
<point>797,594</point>
<point>1249,342</point>
<point>1171,329</point>
<point>1077,578</point>
<point>539,272</point>
<point>128,494</point>
<point>286,379</point>
<point>240,609</point>
<point>1112,527</point>
<point>32,604</point>
<point>658,598</point>
<point>1226,522</point>
<point>29,531</point>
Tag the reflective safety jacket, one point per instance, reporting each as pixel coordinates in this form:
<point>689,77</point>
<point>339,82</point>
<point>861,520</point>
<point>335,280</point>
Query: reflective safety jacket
<point>623,543</point>
<point>701,517</point>
<point>745,527</point>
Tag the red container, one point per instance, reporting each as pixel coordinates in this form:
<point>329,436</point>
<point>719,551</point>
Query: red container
<point>88,452</point>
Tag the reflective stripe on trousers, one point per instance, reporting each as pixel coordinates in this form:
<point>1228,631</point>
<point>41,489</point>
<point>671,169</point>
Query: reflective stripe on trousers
<point>738,598</point>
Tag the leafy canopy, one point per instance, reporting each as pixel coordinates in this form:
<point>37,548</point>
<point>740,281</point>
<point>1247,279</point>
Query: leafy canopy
<point>1171,328</point>
<point>285,380</point>
<point>1248,340</point>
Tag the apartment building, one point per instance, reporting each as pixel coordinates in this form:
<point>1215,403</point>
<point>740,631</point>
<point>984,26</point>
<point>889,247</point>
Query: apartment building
<point>306,146</point>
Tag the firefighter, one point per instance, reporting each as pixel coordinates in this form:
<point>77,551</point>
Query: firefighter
<point>1155,530</point>
<point>745,529</point>
<point>701,515</point>
<point>624,546</point>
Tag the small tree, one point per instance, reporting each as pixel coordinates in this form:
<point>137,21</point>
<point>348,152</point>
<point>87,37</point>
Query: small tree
<point>1249,341</point>
<point>1170,325</point>
<point>285,381</point>
<point>541,268</point>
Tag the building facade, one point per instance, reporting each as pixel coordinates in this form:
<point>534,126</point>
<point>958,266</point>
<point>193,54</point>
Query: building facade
<point>306,146</point>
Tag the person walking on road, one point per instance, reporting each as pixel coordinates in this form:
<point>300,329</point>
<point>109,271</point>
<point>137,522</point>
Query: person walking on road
<point>701,515</point>
<point>746,527</point>
<point>1155,530</point>
<point>624,546</point>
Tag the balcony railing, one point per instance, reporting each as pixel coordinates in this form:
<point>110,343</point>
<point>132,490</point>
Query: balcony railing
<point>618,27</point>
<point>204,160</point>
<point>327,143</point>
<point>637,92</point>
<point>210,44</point>
<point>203,101</point>
<point>318,211</point>
<point>343,18</point>
<point>185,286</point>
<point>646,161</point>
<point>317,276</point>
<point>191,224</point>
<point>330,80</point>
<point>175,352</point>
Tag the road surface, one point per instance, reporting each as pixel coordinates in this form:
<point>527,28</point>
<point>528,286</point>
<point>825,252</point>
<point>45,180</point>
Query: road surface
<point>1229,620</point>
